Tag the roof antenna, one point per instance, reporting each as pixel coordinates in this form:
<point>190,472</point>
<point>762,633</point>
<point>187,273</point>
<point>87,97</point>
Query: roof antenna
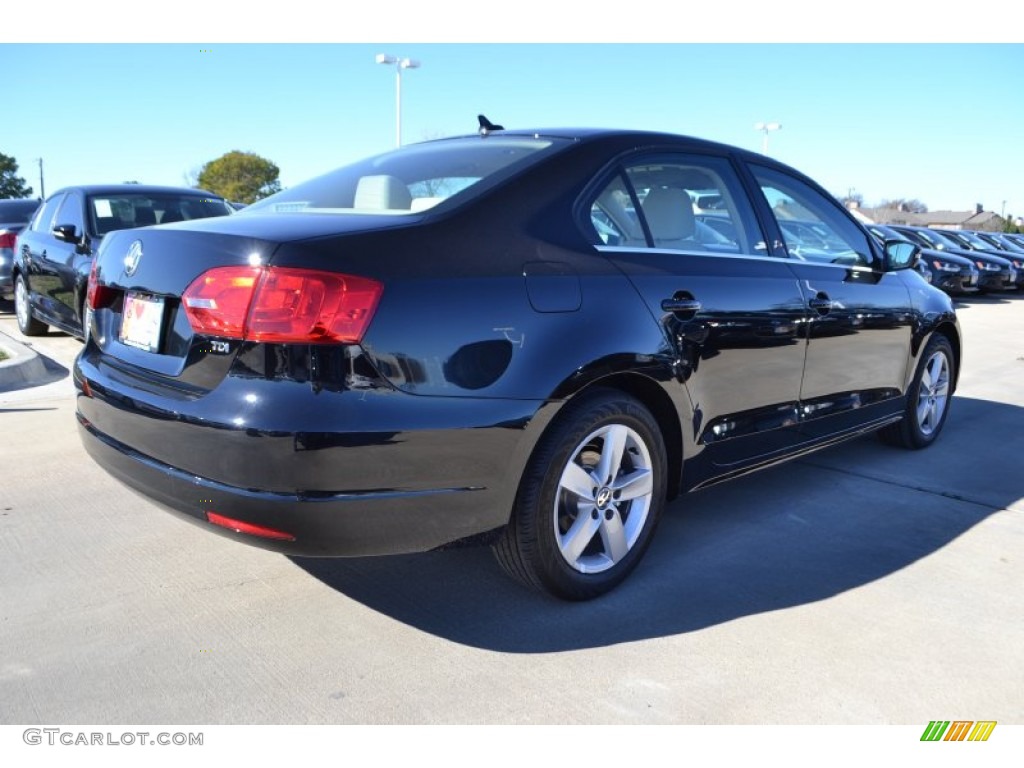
<point>486,126</point>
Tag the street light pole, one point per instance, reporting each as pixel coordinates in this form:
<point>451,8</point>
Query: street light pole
<point>42,188</point>
<point>400,64</point>
<point>765,127</point>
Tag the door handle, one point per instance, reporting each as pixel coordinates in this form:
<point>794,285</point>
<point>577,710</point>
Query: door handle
<point>821,303</point>
<point>680,305</point>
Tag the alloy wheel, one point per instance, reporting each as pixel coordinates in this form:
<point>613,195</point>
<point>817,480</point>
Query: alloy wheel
<point>933,393</point>
<point>21,309</point>
<point>603,499</point>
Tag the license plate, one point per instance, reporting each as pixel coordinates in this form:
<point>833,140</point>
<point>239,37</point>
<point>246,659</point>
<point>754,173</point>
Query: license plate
<point>142,321</point>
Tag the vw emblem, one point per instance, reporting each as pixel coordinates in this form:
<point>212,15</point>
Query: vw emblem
<point>131,261</point>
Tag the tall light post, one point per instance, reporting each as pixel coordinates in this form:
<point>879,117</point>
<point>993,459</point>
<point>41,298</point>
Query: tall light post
<point>764,128</point>
<point>42,188</point>
<point>400,64</point>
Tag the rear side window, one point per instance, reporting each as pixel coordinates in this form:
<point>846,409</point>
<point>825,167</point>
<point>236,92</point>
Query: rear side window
<point>676,202</point>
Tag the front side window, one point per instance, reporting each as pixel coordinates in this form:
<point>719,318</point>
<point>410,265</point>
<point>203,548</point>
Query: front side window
<point>675,202</point>
<point>71,212</point>
<point>413,178</point>
<point>812,226</point>
<point>43,221</point>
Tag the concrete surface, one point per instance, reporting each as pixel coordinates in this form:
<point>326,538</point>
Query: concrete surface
<point>22,367</point>
<point>862,585</point>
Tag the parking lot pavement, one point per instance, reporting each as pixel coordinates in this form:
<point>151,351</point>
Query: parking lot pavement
<point>862,584</point>
<point>47,376</point>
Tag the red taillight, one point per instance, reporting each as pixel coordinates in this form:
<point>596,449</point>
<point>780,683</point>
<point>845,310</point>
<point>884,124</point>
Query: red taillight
<point>97,295</point>
<point>281,304</point>
<point>253,530</point>
<point>217,302</point>
<point>7,239</point>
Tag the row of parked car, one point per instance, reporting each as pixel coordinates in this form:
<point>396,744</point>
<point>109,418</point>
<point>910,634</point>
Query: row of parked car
<point>47,249</point>
<point>956,261</point>
<point>963,261</point>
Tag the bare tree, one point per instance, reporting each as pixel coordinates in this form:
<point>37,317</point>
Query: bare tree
<point>912,205</point>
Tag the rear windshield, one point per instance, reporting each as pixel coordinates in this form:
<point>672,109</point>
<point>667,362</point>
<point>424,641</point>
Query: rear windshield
<point>413,178</point>
<point>126,211</point>
<point>17,211</point>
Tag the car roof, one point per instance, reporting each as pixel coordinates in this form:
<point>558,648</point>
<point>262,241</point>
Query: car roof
<point>145,189</point>
<point>591,135</point>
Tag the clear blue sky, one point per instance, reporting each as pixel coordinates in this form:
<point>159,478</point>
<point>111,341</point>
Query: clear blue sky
<point>941,123</point>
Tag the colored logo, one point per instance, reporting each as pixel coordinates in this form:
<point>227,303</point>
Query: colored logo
<point>958,730</point>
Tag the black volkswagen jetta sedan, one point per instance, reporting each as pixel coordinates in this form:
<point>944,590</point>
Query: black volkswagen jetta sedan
<point>513,338</point>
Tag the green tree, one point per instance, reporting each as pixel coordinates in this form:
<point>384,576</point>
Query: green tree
<point>242,176</point>
<point>11,185</point>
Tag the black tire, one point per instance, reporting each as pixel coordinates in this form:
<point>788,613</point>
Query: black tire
<point>612,532</point>
<point>27,324</point>
<point>928,398</point>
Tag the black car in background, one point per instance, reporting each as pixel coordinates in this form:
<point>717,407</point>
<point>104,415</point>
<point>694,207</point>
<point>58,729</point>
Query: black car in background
<point>14,217</point>
<point>998,245</point>
<point>977,246</point>
<point>517,338</point>
<point>994,273</point>
<point>55,252</point>
<point>1000,240</point>
<point>947,272</point>
<point>1017,239</point>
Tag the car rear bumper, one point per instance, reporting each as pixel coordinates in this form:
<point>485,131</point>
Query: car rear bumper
<point>329,525</point>
<point>383,489</point>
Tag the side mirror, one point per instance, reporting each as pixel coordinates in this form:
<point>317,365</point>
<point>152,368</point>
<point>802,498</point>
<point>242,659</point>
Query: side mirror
<point>69,233</point>
<point>66,233</point>
<point>900,254</point>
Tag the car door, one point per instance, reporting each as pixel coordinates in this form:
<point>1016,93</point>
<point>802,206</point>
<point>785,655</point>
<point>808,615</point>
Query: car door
<point>67,258</point>
<point>861,318</point>
<point>731,314</point>
<point>39,250</point>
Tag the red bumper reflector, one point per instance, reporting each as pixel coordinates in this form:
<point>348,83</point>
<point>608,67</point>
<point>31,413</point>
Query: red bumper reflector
<point>253,530</point>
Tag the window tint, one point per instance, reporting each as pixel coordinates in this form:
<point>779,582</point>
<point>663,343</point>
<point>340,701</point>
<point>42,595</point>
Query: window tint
<point>813,226</point>
<point>43,222</point>
<point>688,203</point>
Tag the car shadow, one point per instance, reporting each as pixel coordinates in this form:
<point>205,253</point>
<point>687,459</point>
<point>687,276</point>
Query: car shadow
<point>1005,297</point>
<point>784,537</point>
